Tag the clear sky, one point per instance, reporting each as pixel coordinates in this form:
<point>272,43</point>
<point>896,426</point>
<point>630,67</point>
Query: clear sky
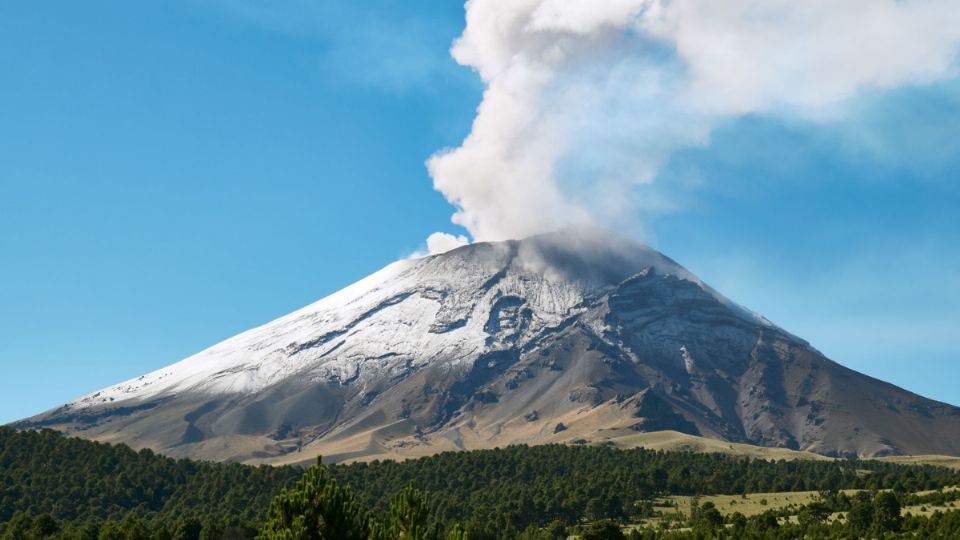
<point>174,173</point>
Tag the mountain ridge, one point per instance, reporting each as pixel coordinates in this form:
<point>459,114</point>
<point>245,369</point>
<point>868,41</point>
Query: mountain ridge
<point>571,335</point>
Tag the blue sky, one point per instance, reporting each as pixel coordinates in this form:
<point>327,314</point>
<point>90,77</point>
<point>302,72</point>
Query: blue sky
<point>172,174</point>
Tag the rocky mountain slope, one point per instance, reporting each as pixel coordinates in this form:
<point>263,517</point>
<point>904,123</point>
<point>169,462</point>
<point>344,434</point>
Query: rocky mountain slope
<point>570,336</point>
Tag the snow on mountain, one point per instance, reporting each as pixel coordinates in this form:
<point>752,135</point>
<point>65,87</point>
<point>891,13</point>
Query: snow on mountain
<point>440,301</point>
<point>502,343</point>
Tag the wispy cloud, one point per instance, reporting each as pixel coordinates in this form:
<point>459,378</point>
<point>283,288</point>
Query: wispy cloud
<point>373,44</point>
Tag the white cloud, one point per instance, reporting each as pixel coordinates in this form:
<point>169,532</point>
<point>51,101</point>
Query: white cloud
<point>440,242</point>
<point>584,100</point>
<point>750,55</point>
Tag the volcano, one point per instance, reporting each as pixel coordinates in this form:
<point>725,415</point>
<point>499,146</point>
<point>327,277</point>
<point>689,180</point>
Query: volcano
<point>571,336</point>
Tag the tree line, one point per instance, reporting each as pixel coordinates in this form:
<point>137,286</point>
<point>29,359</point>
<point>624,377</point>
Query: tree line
<point>53,486</point>
<point>507,490</point>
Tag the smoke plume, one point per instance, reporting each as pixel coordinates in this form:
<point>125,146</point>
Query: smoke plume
<point>586,100</point>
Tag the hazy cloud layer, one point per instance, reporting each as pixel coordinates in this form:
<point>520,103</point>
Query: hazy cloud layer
<point>377,44</point>
<point>584,101</point>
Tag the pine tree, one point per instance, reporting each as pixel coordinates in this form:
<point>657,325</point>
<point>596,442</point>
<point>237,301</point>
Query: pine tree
<point>602,530</point>
<point>886,512</point>
<point>860,515</point>
<point>456,532</point>
<point>409,515</point>
<point>317,508</point>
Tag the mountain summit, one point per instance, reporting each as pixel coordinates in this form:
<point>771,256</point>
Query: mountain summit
<point>555,338</point>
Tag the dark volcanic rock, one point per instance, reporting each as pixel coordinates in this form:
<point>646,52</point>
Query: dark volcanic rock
<point>550,339</point>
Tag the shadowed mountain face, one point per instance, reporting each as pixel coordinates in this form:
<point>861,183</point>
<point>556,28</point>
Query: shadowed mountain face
<point>561,337</point>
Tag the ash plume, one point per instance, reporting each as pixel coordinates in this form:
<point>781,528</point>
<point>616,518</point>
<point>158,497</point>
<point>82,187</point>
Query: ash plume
<point>584,100</point>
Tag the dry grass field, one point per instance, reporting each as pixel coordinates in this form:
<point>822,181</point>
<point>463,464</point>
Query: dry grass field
<point>939,461</point>
<point>673,441</point>
<point>750,504</point>
<point>672,508</point>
